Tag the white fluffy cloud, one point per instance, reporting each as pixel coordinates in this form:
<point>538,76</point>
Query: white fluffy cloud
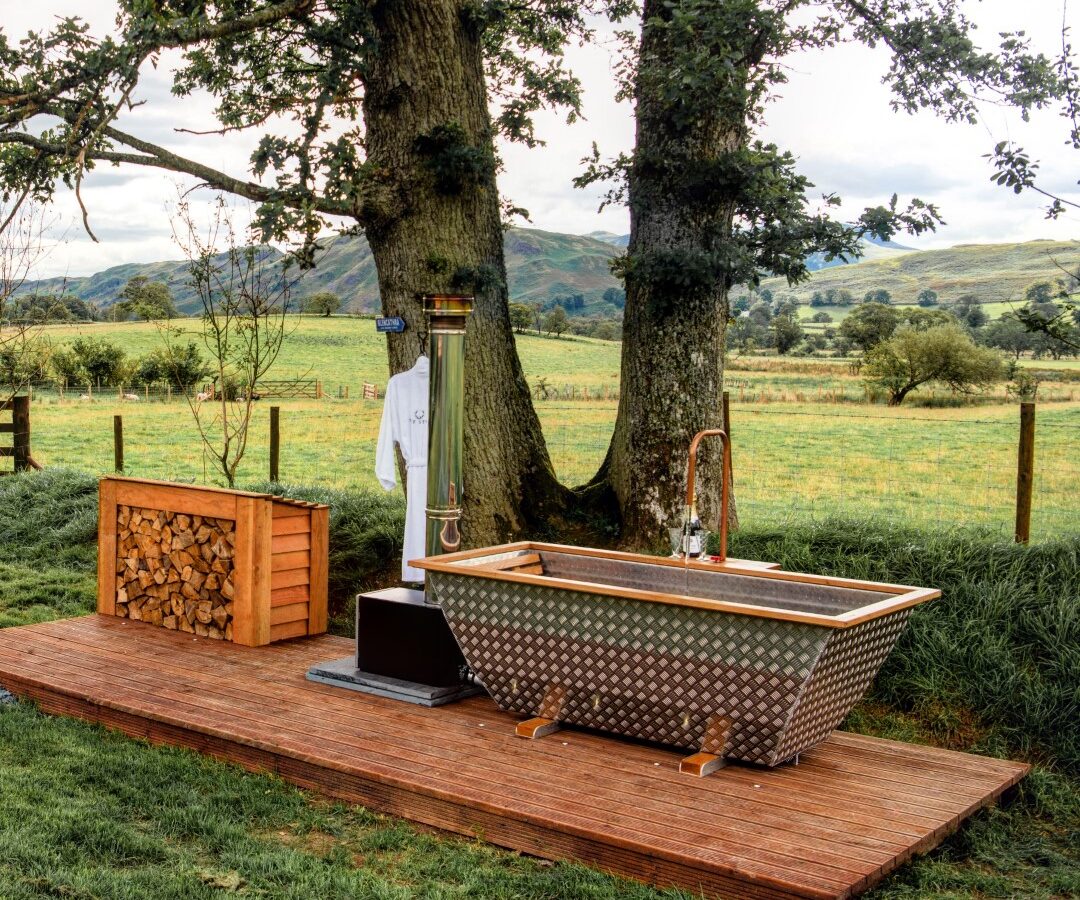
<point>834,115</point>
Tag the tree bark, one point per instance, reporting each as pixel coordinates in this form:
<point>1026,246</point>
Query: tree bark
<point>427,75</point>
<point>673,342</point>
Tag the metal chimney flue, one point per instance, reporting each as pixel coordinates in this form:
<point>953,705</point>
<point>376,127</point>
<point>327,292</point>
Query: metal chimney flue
<point>446,317</point>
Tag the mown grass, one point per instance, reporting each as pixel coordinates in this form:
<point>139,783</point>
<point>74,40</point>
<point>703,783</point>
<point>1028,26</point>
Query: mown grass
<point>993,667</point>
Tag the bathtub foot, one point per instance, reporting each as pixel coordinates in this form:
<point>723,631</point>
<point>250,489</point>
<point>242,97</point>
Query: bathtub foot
<point>701,764</point>
<point>548,720</point>
<point>713,744</point>
<point>537,728</point>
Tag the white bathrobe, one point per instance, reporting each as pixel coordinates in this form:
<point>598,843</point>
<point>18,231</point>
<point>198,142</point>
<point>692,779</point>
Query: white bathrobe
<point>405,423</point>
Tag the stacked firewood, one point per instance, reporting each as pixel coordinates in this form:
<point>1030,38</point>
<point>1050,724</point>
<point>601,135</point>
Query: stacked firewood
<point>175,570</point>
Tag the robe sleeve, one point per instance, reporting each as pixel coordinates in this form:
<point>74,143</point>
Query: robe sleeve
<point>385,459</point>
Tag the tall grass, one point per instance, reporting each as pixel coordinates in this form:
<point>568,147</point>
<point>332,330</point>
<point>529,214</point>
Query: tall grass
<point>994,664</point>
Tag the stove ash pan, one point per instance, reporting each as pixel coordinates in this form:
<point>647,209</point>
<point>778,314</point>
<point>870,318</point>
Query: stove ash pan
<point>661,650</point>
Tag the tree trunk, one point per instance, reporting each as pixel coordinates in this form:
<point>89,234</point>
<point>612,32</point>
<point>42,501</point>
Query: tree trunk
<point>673,338</point>
<point>432,229</point>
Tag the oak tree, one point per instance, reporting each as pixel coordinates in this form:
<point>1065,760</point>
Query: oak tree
<point>945,354</point>
<point>377,115</point>
<point>713,206</point>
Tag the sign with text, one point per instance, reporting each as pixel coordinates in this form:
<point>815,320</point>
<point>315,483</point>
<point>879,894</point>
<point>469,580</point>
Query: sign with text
<point>390,324</point>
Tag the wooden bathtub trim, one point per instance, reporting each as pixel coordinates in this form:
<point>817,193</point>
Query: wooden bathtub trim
<point>905,596</point>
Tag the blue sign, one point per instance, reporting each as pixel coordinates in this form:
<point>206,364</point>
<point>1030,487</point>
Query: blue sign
<point>391,324</point>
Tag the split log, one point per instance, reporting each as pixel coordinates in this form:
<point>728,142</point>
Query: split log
<point>175,571</point>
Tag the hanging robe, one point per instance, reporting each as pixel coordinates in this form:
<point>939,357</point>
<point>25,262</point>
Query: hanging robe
<point>405,423</point>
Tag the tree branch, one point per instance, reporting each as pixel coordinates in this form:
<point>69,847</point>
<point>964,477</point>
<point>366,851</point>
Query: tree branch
<point>154,156</point>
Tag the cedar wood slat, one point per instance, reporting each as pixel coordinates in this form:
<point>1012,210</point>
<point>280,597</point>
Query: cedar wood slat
<point>280,562</point>
<point>244,629</point>
<point>106,602</point>
<point>291,525</point>
<point>291,578</point>
<point>550,831</point>
<point>284,596</point>
<point>320,571</point>
<point>289,630</point>
<point>290,543</point>
<point>292,612</point>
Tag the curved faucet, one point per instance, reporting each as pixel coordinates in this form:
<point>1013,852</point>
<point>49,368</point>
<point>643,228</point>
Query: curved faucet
<point>725,490</point>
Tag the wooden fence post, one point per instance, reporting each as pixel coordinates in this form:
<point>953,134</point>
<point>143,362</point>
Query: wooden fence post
<point>1025,472</point>
<point>20,420</point>
<point>118,443</point>
<point>275,441</point>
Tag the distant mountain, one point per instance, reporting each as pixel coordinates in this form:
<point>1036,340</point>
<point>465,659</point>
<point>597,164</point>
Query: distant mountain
<point>992,272</point>
<point>540,265</point>
<point>608,237</point>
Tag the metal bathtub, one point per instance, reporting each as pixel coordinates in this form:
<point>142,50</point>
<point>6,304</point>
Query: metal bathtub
<point>658,649</point>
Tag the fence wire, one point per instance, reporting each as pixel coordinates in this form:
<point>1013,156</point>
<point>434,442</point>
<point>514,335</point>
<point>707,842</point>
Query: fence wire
<point>929,467</point>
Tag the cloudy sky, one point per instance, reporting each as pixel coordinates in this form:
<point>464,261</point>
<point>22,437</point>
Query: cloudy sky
<point>834,114</point>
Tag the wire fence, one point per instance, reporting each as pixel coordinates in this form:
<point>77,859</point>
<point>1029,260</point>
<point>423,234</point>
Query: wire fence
<point>929,467</point>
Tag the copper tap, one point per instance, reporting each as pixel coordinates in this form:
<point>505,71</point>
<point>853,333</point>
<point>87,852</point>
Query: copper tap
<point>725,490</point>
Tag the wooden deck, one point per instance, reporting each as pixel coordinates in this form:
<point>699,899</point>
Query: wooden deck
<point>851,811</point>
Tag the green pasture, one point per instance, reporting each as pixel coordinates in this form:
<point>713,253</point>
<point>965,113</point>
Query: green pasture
<point>346,350</point>
<point>924,466</point>
<point>806,440</point>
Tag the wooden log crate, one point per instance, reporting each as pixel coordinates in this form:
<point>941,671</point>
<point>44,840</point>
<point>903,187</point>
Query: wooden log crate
<point>219,564</point>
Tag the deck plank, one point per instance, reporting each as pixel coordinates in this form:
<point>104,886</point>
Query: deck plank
<point>852,811</point>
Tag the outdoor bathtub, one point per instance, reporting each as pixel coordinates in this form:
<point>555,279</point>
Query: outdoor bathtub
<point>658,649</point>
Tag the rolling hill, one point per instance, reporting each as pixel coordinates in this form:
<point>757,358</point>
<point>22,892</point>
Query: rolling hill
<point>992,272</point>
<point>543,264</point>
<point>540,265</point>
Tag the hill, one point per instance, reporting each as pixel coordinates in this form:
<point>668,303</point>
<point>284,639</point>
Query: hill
<point>540,265</point>
<point>993,272</point>
<point>543,264</point>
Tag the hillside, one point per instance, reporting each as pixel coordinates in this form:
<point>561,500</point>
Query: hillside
<point>993,272</point>
<point>540,265</point>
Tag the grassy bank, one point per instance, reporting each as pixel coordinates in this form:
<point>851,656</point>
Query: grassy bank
<point>993,667</point>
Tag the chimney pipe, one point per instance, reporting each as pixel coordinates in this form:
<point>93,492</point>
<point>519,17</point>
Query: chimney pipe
<point>446,316</point>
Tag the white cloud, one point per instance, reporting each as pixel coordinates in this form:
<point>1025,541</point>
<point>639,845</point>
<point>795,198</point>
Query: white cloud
<point>834,115</point>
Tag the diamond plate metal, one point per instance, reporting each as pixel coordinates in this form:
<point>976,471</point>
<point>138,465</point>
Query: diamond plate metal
<point>658,671</point>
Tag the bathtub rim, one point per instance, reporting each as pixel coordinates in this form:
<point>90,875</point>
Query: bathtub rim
<point>901,596</point>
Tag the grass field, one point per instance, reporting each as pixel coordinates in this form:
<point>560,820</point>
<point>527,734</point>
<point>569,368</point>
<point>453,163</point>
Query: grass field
<point>991,668</point>
<point>919,465</point>
<point>803,444</point>
<point>344,350</point>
